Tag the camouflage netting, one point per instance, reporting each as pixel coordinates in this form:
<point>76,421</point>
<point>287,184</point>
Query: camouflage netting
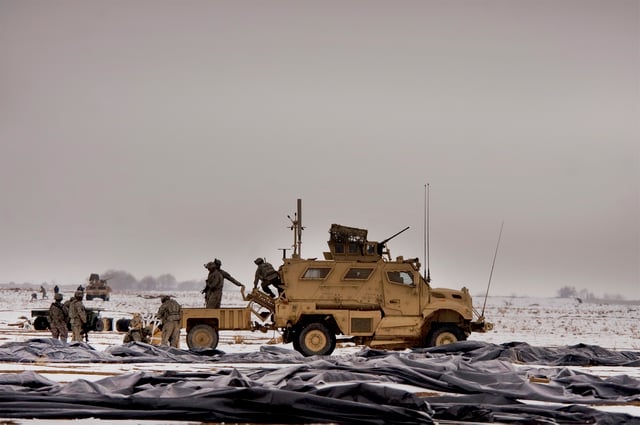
<point>467,381</point>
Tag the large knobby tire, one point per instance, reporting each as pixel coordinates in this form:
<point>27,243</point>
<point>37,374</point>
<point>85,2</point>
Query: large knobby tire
<point>202,336</point>
<point>445,334</point>
<point>315,339</point>
<point>41,323</point>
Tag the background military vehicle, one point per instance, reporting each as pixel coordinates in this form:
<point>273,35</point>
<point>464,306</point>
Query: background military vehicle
<point>357,290</point>
<point>97,288</point>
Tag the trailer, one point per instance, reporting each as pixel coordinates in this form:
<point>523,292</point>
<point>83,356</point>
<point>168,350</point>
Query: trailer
<point>41,319</point>
<point>203,324</point>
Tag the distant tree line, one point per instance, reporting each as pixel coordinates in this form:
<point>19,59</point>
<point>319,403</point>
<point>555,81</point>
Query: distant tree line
<point>120,280</point>
<point>584,295</point>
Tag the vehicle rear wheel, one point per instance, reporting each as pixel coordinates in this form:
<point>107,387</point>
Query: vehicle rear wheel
<point>315,339</point>
<point>445,334</point>
<point>202,336</point>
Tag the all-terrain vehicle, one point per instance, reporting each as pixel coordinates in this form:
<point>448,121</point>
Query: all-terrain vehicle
<point>97,288</point>
<point>356,290</point>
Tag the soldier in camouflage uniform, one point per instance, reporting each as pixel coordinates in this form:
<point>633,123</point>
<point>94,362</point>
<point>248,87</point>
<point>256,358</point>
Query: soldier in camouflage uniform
<point>269,276</point>
<point>58,318</point>
<point>77,316</point>
<point>137,331</point>
<point>213,290</point>
<point>170,313</point>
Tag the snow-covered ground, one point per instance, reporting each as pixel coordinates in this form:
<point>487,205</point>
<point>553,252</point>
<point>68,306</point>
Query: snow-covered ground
<point>537,321</point>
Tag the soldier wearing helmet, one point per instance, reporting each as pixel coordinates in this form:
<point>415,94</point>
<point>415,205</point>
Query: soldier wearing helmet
<point>269,277</point>
<point>214,283</point>
<point>213,290</point>
<point>77,316</point>
<point>58,318</point>
<point>170,313</point>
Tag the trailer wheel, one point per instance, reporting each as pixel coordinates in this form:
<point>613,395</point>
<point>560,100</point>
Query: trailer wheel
<point>41,323</point>
<point>445,334</point>
<point>202,336</point>
<point>122,325</point>
<point>315,339</point>
<point>98,325</point>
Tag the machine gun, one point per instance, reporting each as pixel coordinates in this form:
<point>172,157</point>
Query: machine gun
<point>382,244</point>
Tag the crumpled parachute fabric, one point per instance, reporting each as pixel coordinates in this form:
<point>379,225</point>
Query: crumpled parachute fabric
<point>466,381</point>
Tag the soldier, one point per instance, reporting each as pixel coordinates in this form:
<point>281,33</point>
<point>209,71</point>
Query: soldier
<point>43,291</point>
<point>213,290</point>
<point>77,316</point>
<point>137,332</point>
<point>58,318</point>
<point>170,313</point>
<point>269,276</point>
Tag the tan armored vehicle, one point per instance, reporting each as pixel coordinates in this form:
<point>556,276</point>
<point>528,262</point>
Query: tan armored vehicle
<point>358,291</point>
<point>97,288</point>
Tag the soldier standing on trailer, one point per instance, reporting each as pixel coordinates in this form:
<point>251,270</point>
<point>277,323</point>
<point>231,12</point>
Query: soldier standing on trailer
<point>213,290</point>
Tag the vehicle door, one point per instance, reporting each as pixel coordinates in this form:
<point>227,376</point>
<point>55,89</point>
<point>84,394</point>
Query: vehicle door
<point>401,295</point>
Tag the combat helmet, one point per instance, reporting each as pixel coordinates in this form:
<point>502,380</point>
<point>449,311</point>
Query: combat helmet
<point>79,295</point>
<point>57,297</point>
<point>217,262</point>
<point>258,261</point>
<point>209,265</point>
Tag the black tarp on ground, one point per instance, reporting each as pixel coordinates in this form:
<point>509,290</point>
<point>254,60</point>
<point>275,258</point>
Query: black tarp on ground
<point>480,381</point>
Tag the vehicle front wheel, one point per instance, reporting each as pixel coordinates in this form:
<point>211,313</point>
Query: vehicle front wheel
<point>445,334</point>
<point>315,339</point>
<point>202,336</point>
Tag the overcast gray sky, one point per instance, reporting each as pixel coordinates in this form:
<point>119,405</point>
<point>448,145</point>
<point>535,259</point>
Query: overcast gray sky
<point>153,136</point>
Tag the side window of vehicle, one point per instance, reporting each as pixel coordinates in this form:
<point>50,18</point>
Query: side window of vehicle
<point>402,277</point>
<point>358,273</point>
<point>316,273</point>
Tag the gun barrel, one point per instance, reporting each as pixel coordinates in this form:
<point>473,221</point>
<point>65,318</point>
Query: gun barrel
<point>393,236</point>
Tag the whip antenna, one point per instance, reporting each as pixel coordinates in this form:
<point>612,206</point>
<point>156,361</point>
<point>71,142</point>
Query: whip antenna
<point>427,272</point>
<point>492,265</point>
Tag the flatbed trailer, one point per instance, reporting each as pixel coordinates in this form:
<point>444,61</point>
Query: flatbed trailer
<point>203,324</point>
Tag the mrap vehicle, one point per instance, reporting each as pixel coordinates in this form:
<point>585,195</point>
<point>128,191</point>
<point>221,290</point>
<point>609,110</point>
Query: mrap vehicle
<point>357,291</point>
<point>97,288</point>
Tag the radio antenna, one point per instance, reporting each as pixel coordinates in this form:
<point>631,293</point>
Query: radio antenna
<point>427,272</point>
<point>492,266</point>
